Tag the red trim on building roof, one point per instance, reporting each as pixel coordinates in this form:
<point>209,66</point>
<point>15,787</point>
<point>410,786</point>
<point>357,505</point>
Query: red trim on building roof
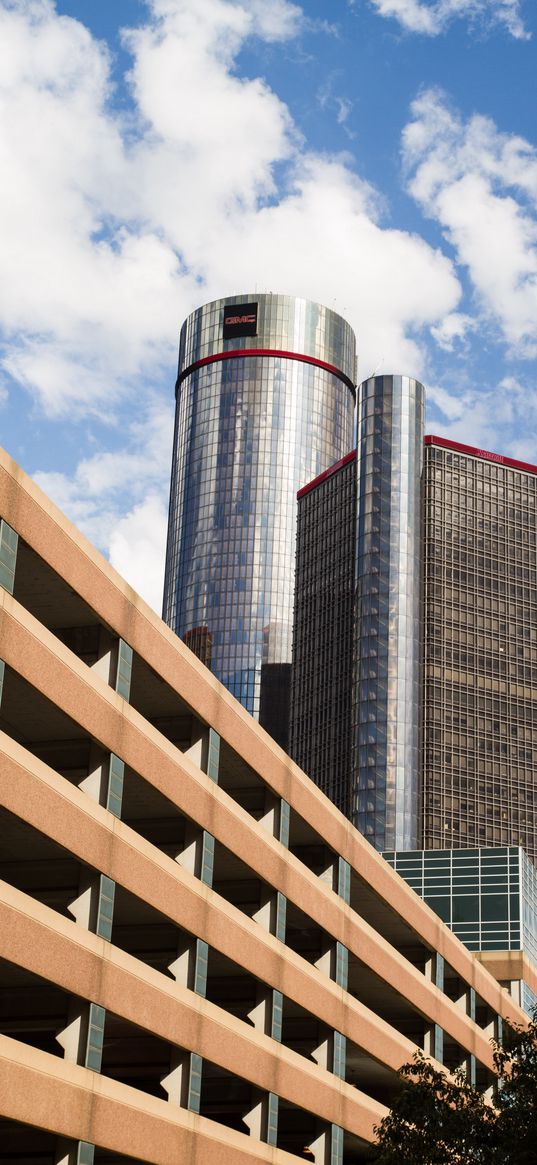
<point>456,446</point>
<point>327,473</point>
<point>497,458</point>
<point>233,352</point>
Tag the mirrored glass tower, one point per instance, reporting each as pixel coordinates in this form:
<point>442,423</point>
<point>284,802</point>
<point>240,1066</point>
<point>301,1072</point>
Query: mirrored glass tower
<point>356,683</point>
<point>265,402</point>
<point>389,458</point>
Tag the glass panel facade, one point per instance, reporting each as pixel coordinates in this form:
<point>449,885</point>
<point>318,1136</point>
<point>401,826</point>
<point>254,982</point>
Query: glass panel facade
<point>250,430</point>
<point>487,896</point>
<point>321,700</point>
<point>388,611</point>
<point>480,652</point>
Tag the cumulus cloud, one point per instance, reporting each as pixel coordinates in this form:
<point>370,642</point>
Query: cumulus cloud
<point>137,548</point>
<point>500,417</point>
<point>119,498</point>
<point>322,240</point>
<point>80,287</point>
<point>115,225</point>
<point>453,330</point>
<point>481,186</point>
<point>117,218</point>
<point>103,213</point>
<point>432,17</point>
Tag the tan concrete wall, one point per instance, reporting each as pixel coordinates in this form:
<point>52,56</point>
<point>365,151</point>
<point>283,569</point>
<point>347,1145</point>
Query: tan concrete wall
<point>39,796</point>
<point>61,545</point>
<point>43,942</point>
<point>38,1089</point>
<point>73,1102</point>
<point>62,678</point>
<point>510,965</point>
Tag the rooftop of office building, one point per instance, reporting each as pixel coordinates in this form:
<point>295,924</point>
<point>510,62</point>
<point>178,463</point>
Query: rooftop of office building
<point>429,439</point>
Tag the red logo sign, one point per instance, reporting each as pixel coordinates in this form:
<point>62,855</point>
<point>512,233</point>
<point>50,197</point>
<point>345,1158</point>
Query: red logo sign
<point>229,320</point>
<point>240,319</point>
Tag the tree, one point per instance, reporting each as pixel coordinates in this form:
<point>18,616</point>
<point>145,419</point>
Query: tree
<point>438,1120</point>
<point>516,1065</point>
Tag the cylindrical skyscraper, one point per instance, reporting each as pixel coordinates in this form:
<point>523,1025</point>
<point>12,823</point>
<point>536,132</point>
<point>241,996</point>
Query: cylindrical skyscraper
<point>265,402</point>
<point>388,611</point>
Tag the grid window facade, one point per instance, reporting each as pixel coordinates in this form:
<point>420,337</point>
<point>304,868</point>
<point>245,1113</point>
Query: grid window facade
<point>482,894</point>
<point>321,704</point>
<point>488,898</point>
<point>480,653</point>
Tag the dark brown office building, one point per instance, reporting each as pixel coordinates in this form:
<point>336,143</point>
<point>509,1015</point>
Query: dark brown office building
<point>480,649</point>
<point>478,760</point>
<point>321,714</point>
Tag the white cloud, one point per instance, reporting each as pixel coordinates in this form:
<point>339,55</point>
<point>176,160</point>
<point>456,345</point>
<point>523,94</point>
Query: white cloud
<point>450,405</point>
<point>481,186</point>
<point>321,240</point>
<point>453,330</point>
<point>102,214</point>
<point>327,99</point>
<point>142,459</point>
<point>432,17</point>
<point>200,116</point>
<point>231,20</point>
<point>117,219</point>
<point>80,289</point>
<point>136,218</point>
<point>499,417</point>
<point>119,498</point>
<point>137,548</point>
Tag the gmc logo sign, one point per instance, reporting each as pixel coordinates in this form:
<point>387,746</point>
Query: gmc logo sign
<point>240,319</point>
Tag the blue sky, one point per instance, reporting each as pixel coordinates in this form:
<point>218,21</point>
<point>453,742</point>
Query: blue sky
<point>376,155</point>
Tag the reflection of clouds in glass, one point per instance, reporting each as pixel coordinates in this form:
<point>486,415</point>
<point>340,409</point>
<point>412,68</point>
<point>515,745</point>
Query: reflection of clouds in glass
<point>251,431</point>
<point>390,435</point>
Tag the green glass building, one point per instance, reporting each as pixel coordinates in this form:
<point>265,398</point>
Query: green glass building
<point>488,897</point>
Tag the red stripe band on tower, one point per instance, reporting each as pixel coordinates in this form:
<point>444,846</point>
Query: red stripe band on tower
<point>233,352</point>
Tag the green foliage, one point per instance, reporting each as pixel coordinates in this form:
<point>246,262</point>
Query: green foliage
<point>516,1065</point>
<point>436,1120</point>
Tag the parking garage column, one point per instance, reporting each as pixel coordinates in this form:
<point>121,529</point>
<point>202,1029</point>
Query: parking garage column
<point>183,1082</point>
<point>74,1153</point>
<point>266,1016</point>
<point>94,906</point>
<point>9,541</point>
<point>434,1035</point>
<point>83,1036</point>
<point>468,1002</point>
<point>327,1149</point>
<point>106,771</point>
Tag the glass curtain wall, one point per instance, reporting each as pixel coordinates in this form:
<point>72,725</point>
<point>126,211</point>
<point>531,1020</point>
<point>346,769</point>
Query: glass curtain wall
<point>257,416</point>
<point>388,611</point>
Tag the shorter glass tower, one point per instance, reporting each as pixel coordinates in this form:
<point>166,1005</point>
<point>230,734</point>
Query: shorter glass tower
<point>355,712</point>
<point>387,686</point>
<point>265,402</point>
